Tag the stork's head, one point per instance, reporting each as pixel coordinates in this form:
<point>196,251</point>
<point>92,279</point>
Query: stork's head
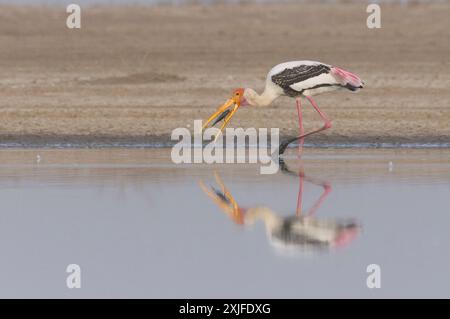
<point>239,97</point>
<point>227,110</point>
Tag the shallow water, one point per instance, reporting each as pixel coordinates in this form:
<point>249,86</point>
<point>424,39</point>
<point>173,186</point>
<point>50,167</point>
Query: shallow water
<point>140,226</point>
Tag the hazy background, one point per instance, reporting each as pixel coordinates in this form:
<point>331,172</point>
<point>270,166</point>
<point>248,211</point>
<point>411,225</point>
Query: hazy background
<point>139,225</point>
<point>88,2</point>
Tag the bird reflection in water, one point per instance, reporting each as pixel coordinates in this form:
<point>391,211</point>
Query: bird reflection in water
<point>300,232</point>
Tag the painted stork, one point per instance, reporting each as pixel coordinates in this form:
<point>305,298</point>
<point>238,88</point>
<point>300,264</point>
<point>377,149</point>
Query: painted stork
<point>295,79</point>
<point>298,232</point>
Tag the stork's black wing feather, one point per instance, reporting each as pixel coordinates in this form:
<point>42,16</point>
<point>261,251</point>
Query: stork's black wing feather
<point>289,236</point>
<point>297,74</point>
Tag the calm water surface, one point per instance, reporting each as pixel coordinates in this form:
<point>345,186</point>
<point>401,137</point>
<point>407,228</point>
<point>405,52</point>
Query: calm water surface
<point>140,226</point>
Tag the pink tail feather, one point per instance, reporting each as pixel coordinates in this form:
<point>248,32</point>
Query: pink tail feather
<point>347,77</point>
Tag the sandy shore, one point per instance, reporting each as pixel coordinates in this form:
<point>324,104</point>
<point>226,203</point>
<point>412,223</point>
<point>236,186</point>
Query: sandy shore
<point>133,74</point>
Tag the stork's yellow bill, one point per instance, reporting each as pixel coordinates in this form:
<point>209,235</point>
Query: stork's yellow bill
<point>226,111</point>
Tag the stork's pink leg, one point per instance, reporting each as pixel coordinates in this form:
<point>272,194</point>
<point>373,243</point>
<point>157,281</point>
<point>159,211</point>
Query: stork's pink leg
<point>300,193</point>
<point>326,120</point>
<point>300,125</point>
<point>320,200</point>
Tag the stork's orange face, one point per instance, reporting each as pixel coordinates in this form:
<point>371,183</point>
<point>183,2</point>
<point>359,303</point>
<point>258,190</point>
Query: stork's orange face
<point>227,110</point>
<point>238,94</point>
<point>239,97</point>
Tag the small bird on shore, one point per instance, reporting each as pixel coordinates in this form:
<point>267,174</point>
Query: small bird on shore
<point>295,79</point>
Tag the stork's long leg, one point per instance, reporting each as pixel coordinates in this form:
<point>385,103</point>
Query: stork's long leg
<point>300,125</point>
<point>327,121</point>
<point>302,179</point>
<point>323,116</point>
<point>300,192</point>
<point>326,190</point>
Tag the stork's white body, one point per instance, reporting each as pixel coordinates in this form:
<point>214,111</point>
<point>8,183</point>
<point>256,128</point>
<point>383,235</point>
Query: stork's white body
<point>302,78</point>
<point>294,79</point>
<point>303,85</point>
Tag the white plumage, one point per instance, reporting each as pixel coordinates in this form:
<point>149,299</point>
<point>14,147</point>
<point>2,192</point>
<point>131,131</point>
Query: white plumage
<point>295,79</point>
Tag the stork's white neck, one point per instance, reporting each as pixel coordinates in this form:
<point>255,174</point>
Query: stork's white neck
<point>266,214</point>
<point>264,99</point>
